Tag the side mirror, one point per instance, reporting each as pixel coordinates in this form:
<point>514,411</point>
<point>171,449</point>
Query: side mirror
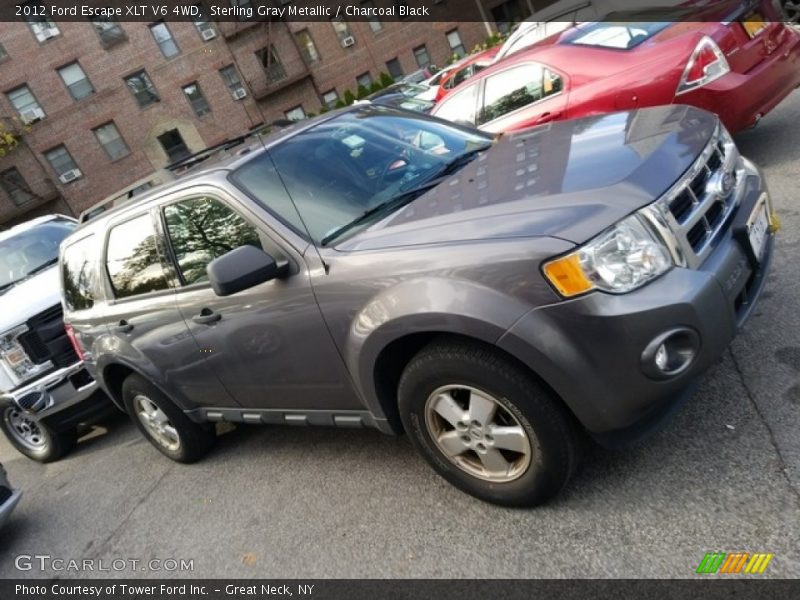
<point>242,268</point>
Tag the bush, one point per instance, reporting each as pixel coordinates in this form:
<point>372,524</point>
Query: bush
<point>349,98</point>
<point>362,92</point>
<point>375,87</point>
<point>323,110</point>
<point>340,103</point>
<point>386,79</point>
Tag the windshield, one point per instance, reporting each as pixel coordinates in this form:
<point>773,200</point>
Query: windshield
<point>349,165</point>
<point>31,251</point>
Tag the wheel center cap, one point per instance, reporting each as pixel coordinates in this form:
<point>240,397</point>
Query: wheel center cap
<point>476,433</point>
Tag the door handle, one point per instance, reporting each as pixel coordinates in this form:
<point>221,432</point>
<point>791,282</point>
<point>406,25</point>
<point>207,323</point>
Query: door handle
<point>207,317</point>
<point>124,327</point>
<point>547,117</point>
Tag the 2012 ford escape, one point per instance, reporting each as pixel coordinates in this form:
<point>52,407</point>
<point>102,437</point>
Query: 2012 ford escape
<point>493,296</point>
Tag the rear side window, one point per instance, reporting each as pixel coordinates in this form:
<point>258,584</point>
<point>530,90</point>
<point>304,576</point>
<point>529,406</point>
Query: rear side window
<point>79,275</point>
<point>514,88</point>
<point>460,107</point>
<point>202,229</point>
<point>133,260</point>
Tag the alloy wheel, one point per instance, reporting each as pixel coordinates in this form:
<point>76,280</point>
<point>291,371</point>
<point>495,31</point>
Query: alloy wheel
<point>25,430</point>
<point>477,433</point>
<point>156,422</point>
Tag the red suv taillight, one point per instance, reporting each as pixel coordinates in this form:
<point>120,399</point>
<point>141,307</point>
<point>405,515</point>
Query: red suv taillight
<point>74,340</point>
<point>707,64</point>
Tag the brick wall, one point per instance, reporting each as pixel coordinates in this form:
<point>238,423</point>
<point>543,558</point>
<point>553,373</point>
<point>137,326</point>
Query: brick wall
<point>70,122</point>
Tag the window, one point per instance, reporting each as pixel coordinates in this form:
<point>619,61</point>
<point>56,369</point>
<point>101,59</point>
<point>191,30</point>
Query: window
<point>132,259</point>
<point>342,30</point>
<point>28,108</point>
<point>307,46</point>
<point>271,64</point>
<point>295,114</point>
<point>204,28</point>
<point>142,88</point>
<point>516,87</point>
<point>245,8</point>
<point>41,25</point>
<point>76,81</point>
<point>459,107</point>
<point>15,186</point>
<point>621,36</point>
<point>110,139</point>
<point>348,164</point>
<point>78,275</point>
<point>231,78</point>
<point>364,79</point>
<point>109,31</point>
<point>330,98</point>
<point>173,144</point>
<point>28,251</point>
<point>164,40</point>
<point>202,229</point>
<point>63,164</point>
<point>196,99</point>
<point>395,70</point>
<point>374,24</point>
<point>421,56</point>
<point>454,39</point>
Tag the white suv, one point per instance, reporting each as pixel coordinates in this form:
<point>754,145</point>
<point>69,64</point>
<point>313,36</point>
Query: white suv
<point>44,389</point>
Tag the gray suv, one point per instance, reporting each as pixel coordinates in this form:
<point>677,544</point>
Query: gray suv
<point>495,297</point>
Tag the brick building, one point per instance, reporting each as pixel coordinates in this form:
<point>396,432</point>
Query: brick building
<point>102,105</point>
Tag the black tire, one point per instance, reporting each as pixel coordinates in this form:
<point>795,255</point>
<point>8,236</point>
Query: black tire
<point>47,445</point>
<point>195,440</point>
<point>553,440</point>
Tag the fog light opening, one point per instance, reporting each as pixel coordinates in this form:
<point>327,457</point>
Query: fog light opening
<point>671,353</point>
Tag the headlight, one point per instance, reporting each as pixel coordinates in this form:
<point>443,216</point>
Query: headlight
<point>14,360</point>
<point>619,260</point>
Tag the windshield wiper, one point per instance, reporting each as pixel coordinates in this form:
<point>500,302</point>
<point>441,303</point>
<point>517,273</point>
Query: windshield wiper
<point>41,267</point>
<point>407,195</point>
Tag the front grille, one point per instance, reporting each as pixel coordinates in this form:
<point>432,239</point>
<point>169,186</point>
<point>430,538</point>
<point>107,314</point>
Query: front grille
<point>699,205</point>
<point>47,339</point>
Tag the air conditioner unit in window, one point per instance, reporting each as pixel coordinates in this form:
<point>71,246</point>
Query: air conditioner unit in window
<point>239,93</point>
<point>70,175</point>
<point>31,115</point>
<point>208,34</point>
<point>348,41</point>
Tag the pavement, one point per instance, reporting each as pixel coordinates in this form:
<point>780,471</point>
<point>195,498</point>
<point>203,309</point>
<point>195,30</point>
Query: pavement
<point>285,502</point>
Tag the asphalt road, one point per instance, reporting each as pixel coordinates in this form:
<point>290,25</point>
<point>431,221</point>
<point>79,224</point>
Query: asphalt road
<point>285,502</point>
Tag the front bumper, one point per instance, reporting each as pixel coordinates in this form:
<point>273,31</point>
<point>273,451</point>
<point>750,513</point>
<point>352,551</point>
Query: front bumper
<point>71,395</point>
<point>590,349</point>
<point>7,502</point>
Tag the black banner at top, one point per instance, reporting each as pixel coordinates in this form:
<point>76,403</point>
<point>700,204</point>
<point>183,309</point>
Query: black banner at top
<point>383,10</point>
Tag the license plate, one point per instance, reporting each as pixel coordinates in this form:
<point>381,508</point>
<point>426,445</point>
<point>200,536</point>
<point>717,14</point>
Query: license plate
<point>754,24</point>
<point>758,227</point>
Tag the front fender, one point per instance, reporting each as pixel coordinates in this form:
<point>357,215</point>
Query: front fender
<point>425,305</point>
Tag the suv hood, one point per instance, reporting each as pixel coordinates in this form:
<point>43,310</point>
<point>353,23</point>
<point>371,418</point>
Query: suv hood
<point>569,180</point>
<point>29,297</point>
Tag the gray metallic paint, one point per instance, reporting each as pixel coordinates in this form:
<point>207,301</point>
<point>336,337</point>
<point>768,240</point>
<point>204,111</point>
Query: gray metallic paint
<point>463,258</point>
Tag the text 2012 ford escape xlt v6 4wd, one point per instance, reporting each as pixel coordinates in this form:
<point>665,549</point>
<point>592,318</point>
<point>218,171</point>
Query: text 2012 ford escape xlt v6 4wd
<point>491,296</point>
